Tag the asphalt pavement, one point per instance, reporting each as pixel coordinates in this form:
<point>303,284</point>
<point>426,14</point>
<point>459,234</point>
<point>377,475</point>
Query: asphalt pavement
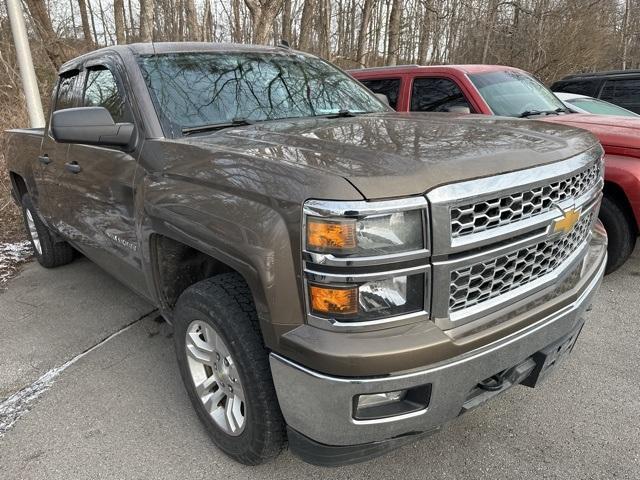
<point>89,388</point>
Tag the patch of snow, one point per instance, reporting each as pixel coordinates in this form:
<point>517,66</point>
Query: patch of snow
<point>11,255</point>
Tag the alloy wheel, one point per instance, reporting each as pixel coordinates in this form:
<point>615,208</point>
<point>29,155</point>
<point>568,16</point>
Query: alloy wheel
<point>33,231</point>
<point>215,377</point>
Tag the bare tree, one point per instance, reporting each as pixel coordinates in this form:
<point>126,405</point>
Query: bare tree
<point>367,8</point>
<point>548,37</point>
<point>192,29</point>
<point>50,39</point>
<point>625,33</point>
<point>286,21</point>
<point>84,18</point>
<point>146,20</point>
<point>493,13</point>
<point>236,31</point>
<point>306,25</point>
<point>395,19</point>
<point>118,18</point>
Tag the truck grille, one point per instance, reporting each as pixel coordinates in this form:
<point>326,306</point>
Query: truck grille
<point>488,279</point>
<point>477,217</point>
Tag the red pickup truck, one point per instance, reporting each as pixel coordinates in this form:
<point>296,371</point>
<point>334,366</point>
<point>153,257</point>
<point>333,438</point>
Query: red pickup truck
<point>506,91</point>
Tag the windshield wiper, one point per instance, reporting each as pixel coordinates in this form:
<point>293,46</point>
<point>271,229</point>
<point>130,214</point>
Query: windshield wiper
<point>531,113</point>
<point>236,122</point>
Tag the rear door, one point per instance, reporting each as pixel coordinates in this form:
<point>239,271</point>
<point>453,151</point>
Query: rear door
<point>624,92</point>
<point>49,166</point>
<point>99,181</point>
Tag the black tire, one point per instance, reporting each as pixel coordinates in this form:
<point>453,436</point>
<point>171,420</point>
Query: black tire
<point>622,234</point>
<point>225,303</point>
<point>51,253</point>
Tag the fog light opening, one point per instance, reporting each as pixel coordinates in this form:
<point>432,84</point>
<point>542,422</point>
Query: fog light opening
<point>390,404</point>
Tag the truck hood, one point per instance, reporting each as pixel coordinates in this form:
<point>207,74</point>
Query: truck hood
<point>398,154</point>
<point>614,132</point>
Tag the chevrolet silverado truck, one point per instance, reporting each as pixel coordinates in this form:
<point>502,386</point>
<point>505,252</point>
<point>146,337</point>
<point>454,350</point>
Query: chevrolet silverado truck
<point>511,92</point>
<point>338,275</point>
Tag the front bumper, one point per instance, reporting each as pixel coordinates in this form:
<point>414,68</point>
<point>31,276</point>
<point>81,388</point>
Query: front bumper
<point>319,409</point>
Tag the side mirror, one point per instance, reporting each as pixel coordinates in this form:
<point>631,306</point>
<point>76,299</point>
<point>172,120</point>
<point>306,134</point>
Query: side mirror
<point>89,125</point>
<point>383,98</point>
<point>458,109</point>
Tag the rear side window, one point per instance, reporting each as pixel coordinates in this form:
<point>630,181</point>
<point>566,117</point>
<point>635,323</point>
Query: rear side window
<point>581,87</point>
<point>101,90</point>
<point>65,94</point>
<point>625,93</point>
<point>386,86</point>
<point>436,95</point>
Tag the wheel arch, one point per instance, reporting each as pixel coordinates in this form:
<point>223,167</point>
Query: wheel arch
<point>616,193</point>
<point>19,186</point>
<point>177,261</point>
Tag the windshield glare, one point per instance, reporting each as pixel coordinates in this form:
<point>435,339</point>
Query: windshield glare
<point>511,93</point>
<point>195,89</point>
<point>593,105</point>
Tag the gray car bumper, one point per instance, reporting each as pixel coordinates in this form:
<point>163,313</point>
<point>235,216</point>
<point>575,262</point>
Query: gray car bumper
<point>320,407</point>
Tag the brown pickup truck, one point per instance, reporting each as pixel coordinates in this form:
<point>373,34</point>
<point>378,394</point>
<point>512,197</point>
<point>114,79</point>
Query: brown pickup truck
<point>337,274</point>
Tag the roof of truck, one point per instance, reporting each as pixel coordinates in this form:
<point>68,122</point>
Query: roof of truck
<point>470,68</point>
<point>175,47</point>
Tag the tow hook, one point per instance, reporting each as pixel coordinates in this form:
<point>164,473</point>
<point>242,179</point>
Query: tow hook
<point>494,383</point>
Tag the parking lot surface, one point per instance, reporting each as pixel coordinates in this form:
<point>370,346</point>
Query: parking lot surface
<point>119,410</point>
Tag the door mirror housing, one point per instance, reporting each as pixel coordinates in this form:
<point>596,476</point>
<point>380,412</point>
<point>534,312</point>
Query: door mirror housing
<point>383,98</point>
<point>91,126</point>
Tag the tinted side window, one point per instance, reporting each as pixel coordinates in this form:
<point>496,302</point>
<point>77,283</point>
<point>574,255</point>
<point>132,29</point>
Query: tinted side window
<point>436,95</point>
<point>64,97</point>
<point>625,93</point>
<point>581,87</point>
<point>101,90</point>
<point>386,86</point>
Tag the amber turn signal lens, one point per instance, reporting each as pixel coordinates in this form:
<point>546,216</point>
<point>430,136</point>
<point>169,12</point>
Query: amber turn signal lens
<point>323,235</point>
<point>330,301</point>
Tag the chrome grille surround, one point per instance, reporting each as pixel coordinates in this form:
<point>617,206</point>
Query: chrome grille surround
<point>487,214</point>
<point>487,270</point>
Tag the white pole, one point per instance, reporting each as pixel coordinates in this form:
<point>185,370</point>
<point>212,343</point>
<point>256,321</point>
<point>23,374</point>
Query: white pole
<point>28,74</point>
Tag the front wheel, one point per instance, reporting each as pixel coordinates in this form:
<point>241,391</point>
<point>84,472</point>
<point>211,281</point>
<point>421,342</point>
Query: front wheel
<point>622,234</point>
<point>225,368</point>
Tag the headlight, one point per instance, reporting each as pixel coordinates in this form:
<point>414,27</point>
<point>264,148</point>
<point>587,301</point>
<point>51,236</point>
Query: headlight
<point>365,261</point>
<point>370,235</point>
<point>372,300</point>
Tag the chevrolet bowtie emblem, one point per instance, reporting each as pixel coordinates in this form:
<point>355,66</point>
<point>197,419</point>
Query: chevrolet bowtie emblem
<point>567,222</point>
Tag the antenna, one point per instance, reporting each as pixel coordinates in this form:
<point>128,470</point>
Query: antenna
<point>284,44</point>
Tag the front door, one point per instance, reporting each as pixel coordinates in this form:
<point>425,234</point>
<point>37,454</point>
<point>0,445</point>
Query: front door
<point>100,182</point>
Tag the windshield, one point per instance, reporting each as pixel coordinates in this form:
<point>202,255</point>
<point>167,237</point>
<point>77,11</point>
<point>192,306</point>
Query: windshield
<point>198,89</point>
<point>511,93</point>
<point>593,105</point>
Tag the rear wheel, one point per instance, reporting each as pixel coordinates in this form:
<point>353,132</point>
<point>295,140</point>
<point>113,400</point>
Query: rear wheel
<point>49,252</point>
<point>622,234</point>
<point>225,368</point>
